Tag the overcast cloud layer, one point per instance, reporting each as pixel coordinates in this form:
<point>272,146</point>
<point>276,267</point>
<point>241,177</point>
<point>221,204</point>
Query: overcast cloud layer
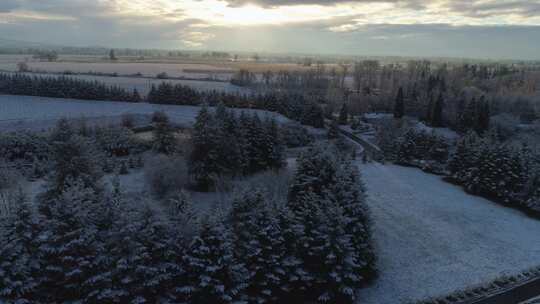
<point>462,28</point>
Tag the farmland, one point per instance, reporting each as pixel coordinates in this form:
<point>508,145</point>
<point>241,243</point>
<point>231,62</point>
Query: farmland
<point>36,113</point>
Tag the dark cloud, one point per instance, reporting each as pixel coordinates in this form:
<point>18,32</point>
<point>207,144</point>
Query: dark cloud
<point>471,8</point>
<point>478,9</point>
<point>273,3</point>
<point>102,23</point>
<point>9,5</point>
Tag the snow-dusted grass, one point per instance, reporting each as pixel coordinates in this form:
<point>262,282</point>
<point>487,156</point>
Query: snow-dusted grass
<point>36,113</point>
<point>432,238</point>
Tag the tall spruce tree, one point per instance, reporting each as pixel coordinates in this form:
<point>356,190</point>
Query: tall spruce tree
<point>164,140</point>
<point>213,274</point>
<point>437,118</point>
<point>399,106</point>
<point>204,158</point>
<point>72,162</point>
<point>69,244</point>
<point>344,115</point>
<point>21,262</point>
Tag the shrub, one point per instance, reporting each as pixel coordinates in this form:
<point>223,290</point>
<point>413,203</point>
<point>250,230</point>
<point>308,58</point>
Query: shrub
<point>165,175</point>
<point>28,152</point>
<point>115,141</point>
<point>295,135</point>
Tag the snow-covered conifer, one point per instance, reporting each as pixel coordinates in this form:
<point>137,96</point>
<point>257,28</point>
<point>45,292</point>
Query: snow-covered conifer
<point>20,262</point>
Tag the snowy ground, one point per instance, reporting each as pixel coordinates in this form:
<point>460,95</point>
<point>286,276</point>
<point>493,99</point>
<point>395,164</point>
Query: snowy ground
<point>36,113</point>
<point>192,70</point>
<point>432,238</point>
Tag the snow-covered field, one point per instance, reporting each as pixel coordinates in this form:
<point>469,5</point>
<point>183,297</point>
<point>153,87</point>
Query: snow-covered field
<point>36,113</point>
<point>432,238</point>
<point>192,70</point>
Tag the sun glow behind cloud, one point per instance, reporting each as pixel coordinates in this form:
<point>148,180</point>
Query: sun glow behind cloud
<point>301,25</point>
<point>220,13</point>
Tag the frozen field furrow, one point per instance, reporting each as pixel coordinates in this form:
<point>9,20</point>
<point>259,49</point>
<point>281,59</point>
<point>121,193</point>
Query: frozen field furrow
<point>432,238</point>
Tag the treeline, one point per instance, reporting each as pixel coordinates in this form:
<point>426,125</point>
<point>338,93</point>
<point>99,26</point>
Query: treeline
<point>437,93</point>
<point>230,145</point>
<point>86,244</point>
<point>312,80</point>
<point>485,166</point>
<point>63,87</point>
<point>295,106</point>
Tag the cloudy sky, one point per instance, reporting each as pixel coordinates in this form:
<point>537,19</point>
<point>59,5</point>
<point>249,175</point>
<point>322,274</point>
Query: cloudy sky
<point>457,28</point>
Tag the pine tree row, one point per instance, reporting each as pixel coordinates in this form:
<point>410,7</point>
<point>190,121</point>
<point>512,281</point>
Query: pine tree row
<point>63,87</point>
<point>294,106</point>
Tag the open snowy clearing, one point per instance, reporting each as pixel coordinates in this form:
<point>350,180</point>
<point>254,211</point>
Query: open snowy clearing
<point>432,238</point>
<point>36,113</point>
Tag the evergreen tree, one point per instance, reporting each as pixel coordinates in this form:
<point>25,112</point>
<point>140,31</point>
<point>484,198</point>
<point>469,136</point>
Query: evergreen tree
<point>429,112</point>
<point>316,170</point>
<point>211,270</point>
<point>136,97</point>
<point>230,157</point>
<point>258,143</point>
<point>343,115</point>
<point>406,148</point>
<point>152,261</point>
<point>327,254</point>
<point>348,192</point>
<point>21,262</point>
<point>273,146</point>
<point>68,245</point>
<point>259,245</point>
<point>399,106</point>
<point>72,162</point>
<point>112,55</point>
<point>464,157</point>
<point>164,141</point>
<point>483,116</point>
<point>437,119</point>
<point>204,158</point>
<point>333,131</point>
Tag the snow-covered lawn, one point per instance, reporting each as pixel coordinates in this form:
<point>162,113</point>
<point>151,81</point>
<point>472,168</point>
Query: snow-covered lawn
<point>432,238</point>
<point>28,112</point>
